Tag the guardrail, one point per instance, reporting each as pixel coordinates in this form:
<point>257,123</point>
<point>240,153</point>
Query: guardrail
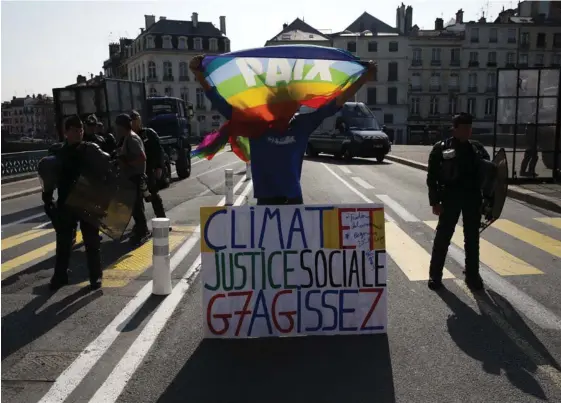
<point>14,164</point>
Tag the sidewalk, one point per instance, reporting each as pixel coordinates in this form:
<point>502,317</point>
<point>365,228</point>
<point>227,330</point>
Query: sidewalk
<point>546,196</point>
<point>20,188</point>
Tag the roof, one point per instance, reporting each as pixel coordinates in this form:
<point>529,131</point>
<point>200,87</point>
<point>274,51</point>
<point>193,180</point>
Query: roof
<point>370,23</point>
<point>182,28</point>
<point>299,25</point>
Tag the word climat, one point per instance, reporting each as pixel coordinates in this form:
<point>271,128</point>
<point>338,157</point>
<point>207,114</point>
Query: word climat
<point>293,270</point>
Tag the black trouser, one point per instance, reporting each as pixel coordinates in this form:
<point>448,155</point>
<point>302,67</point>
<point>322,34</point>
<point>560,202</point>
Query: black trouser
<point>66,227</point>
<point>469,205</point>
<point>274,201</point>
<point>157,202</point>
<point>140,224</point>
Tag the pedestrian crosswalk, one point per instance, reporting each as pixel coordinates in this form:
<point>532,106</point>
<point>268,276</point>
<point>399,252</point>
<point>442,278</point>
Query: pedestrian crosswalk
<point>408,246</point>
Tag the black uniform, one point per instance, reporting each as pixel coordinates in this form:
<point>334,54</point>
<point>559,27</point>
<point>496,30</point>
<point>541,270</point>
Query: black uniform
<point>110,143</point>
<point>154,160</point>
<point>73,162</point>
<point>453,181</point>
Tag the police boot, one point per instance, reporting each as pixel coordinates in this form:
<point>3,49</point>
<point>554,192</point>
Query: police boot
<point>473,281</point>
<point>435,284</point>
<point>58,281</point>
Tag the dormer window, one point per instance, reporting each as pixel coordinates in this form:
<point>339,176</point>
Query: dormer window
<point>150,44</point>
<point>182,44</point>
<point>198,43</point>
<point>166,42</point>
<point>213,45</point>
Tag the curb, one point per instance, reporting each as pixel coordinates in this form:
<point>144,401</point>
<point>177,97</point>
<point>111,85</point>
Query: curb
<point>514,192</point>
<point>23,193</point>
<point>17,178</point>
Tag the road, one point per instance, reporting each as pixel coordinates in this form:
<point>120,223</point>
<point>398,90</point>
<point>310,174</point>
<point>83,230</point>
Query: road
<point>121,344</point>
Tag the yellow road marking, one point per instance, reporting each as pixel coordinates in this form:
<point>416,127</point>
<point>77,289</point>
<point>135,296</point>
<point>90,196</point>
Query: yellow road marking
<point>26,236</point>
<point>553,221</point>
<point>534,238</point>
<point>34,254</point>
<point>411,257</point>
<point>492,256</point>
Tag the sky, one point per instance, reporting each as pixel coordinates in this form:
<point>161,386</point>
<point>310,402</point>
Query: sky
<point>46,44</point>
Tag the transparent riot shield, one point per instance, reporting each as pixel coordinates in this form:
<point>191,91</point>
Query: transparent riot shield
<point>494,189</point>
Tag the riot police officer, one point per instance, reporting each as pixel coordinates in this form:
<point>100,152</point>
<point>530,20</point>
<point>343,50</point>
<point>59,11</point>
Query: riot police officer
<point>90,132</point>
<point>72,162</point>
<point>454,187</point>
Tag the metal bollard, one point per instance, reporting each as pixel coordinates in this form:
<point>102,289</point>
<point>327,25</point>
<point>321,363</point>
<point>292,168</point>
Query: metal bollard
<point>248,170</point>
<point>229,181</point>
<point>161,274</point>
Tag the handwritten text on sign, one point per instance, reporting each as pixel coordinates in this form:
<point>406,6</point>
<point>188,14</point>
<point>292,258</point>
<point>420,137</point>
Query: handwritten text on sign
<point>293,270</point>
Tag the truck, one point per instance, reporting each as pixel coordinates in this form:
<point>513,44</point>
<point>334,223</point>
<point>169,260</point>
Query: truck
<point>107,98</point>
<point>351,132</point>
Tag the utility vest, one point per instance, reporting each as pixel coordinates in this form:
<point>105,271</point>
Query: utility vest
<point>450,164</point>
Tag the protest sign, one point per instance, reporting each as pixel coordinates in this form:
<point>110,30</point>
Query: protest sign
<point>293,270</point>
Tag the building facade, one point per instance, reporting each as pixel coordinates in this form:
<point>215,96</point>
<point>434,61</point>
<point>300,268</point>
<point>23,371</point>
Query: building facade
<point>160,57</point>
<point>298,32</point>
<point>30,117</point>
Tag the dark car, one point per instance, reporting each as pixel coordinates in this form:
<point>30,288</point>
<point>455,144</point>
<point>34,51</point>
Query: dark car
<point>352,132</point>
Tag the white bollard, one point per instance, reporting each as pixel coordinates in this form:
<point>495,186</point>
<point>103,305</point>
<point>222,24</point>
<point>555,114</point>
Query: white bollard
<point>229,181</point>
<point>248,170</point>
<point>161,275</point>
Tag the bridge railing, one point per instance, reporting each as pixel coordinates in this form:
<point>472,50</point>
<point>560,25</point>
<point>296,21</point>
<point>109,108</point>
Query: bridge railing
<point>14,164</point>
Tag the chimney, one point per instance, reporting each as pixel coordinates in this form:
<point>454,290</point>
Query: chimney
<point>439,24</point>
<point>223,24</point>
<point>284,26</point>
<point>141,31</point>
<point>149,20</point>
<point>80,79</point>
<point>91,76</point>
<point>195,19</point>
<point>162,18</point>
<point>408,19</point>
<point>482,20</point>
<point>460,16</point>
<point>33,96</point>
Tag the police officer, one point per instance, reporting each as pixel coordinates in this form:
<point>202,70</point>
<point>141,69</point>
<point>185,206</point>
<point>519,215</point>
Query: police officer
<point>73,162</point>
<point>154,162</point>
<point>110,142</point>
<point>454,187</point>
<point>90,133</point>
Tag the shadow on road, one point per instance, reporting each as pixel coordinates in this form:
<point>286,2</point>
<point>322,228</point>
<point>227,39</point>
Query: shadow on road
<point>18,215</point>
<point>309,369</point>
<point>481,338</point>
<point>25,325</point>
<point>326,159</point>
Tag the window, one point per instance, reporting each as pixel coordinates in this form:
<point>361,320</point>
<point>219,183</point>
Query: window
<point>417,54</point>
<point>540,40</point>
<point>372,46</point>
<point>474,35</point>
<point>182,43</point>
<point>183,71</point>
<point>388,118</point>
<point>168,92</point>
<point>371,96</point>
<point>153,92</point>
<point>415,103</point>
<point>185,94</point>
<point>393,46</point>
<point>472,81</point>
<point>392,96</point>
<point>492,57</point>
<point>213,45</point>
<point>392,71</point>
<point>166,42</point>
<point>198,44</point>
<point>452,105</point>
<point>200,98</point>
<point>168,70</point>
<point>473,57</point>
<point>525,39</point>
<point>226,45</point>
<point>489,107</point>
<point>351,46</point>
<point>557,40</point>
<point>455,57</point>
<point>151,70</point>
<point>435,81</point>
<point>493,35</point>
<point>539,59</point>
<point>511,35</point>
<point>491,80</point>
<point>556,59</point>
<point>471,106</point>
<point>436,54</point>
<point>510,58</point>
<point>416,80</point>
<point>143,72</point>
<point>433,106</point>
<point>454,81</point>
<point>523,59</point>
<point>150,42</point>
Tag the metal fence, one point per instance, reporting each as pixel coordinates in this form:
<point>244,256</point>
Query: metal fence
<point>21,163</point>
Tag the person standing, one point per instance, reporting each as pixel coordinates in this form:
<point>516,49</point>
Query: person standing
<point>277,156</point>
<point>90,133</point>
<point>133,164</point>
<point>72,163</point>
<point>110,142</point>
<point>454,187</point>
<point>154,162</point>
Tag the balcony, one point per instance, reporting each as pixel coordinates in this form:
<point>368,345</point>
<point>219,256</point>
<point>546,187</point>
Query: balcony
<point>509,65</point>
<point>455,62</point>
<point>434,88</point>
<point>453,88</point>
<point>416,62</point>
<point>511,40</point>
<point>183,78</point>
<point>491,64</point>
<point>524,45</point>
<point>491,88</point>
<point>472,89</point>
<point>523,65</point>
<point>493,40</point>
<point>416,88</point>
<point>168,78</point>
<point>474,40</point>
<point>151,79</point>
<point>435,63</point>
<point>473,63</point>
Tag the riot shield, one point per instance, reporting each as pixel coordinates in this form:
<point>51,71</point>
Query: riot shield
<point>107,202</point>
<point>494,189</point>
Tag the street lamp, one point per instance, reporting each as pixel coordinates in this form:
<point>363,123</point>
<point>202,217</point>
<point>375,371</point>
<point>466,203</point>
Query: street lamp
<point>356,35</point>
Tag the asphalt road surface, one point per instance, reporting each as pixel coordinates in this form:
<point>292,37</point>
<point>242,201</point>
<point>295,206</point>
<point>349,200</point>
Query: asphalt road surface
<point>122,344</point>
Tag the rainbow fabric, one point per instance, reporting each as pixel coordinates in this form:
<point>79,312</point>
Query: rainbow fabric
<point>265,87</point>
